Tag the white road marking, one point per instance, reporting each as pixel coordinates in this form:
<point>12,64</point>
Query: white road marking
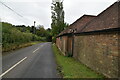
<point>38,48</point>
<point>12,67</point>
<point>42,45</point>
<point>35,50</point>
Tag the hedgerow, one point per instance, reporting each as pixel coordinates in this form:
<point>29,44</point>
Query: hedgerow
<point>12,36</point>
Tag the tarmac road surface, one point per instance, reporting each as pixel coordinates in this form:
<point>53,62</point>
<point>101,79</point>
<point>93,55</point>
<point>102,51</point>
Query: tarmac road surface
<point>36,61</point>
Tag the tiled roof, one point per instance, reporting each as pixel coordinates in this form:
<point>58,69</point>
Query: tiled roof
<point>108,19</point>
<point>78,24</point>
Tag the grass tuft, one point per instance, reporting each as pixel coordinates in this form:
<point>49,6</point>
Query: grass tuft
<point>68,67</point>
<point>11,47</point>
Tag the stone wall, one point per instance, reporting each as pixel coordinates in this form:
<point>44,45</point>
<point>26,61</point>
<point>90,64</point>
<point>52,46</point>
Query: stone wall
<point>94,41</point>
<point>99,51</point>
<point>62,44</point>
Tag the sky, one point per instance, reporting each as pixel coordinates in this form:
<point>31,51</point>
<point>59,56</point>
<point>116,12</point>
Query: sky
<point>25,12</point>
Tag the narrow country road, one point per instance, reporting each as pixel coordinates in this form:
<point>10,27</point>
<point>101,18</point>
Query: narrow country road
<point>36,61</point>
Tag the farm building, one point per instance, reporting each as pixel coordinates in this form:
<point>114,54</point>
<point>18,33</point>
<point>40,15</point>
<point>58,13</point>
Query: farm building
<point>65,38</point>
<point>93,40</point>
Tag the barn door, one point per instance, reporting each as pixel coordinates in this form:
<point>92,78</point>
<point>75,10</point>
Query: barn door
<point>70,46</point>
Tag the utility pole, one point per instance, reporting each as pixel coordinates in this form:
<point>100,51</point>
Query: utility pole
<point>33,30</point>
<point>34,23</point>
<point>34,27</point>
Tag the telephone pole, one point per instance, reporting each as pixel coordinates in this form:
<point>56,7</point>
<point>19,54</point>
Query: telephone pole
<point>34,27</point>
<point>34,23</point>
<point>33,31</point>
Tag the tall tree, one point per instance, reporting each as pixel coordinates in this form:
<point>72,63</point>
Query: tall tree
<point>57,24</point>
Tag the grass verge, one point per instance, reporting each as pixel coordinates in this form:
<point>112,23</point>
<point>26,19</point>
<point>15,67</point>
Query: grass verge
<point>71,68</point>
<point>12,47</point>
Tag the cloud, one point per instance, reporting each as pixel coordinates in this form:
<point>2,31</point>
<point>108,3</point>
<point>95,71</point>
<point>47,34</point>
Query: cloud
<point>74,9</point>
<point>40,10</point>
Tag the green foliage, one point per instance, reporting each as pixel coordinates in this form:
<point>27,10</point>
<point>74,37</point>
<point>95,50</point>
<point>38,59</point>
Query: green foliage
<point>58,23</point>
<point>57,17</point>
<point>0,33</point>
<point>44,33</point>
<point>71,68</point>
<point>12,35</point>
<point>41,32</point>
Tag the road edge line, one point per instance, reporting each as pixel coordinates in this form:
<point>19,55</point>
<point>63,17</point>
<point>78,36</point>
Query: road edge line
<point>12,67</point>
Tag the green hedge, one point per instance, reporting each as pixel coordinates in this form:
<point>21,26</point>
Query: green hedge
<point>13,36</point>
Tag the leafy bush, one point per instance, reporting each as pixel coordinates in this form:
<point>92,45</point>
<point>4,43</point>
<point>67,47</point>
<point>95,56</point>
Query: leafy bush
<point>12,36</point>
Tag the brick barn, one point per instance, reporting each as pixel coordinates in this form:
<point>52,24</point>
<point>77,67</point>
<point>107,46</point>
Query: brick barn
<point>93,40</point>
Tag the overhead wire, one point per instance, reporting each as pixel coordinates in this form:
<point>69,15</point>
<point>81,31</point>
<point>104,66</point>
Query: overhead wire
<point>14,11</point>
<point>11,9</point>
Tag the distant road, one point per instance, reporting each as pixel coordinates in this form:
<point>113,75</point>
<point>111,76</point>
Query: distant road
<point>36,61</point>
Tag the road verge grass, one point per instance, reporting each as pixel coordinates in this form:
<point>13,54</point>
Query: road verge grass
<point>12,47</point>
<point>68,67</point>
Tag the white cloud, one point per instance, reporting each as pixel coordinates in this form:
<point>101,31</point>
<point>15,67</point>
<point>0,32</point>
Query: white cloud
<point>74,9</point>
<point>40,10</point>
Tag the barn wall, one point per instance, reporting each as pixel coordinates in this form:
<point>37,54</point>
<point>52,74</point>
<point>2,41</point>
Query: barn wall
<point>62,44</point>
<point>99,51</point>
<point>94,44</point>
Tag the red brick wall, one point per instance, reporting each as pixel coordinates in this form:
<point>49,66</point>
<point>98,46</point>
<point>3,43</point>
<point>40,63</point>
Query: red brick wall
<point>98,51</point>
<point>62,44</point>
<point>70,45</point>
